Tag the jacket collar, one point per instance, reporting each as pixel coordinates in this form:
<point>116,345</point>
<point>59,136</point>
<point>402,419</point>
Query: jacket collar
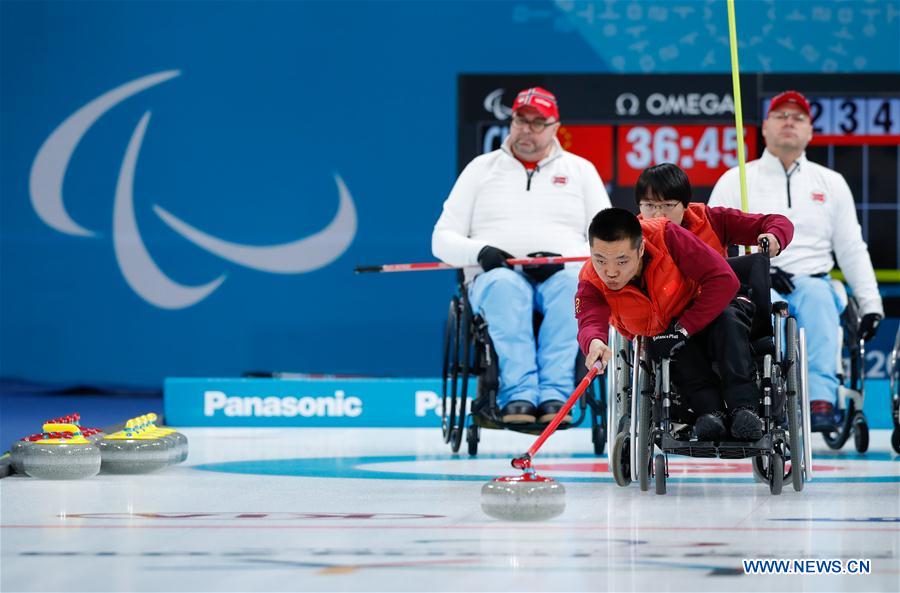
<point>771,163</point>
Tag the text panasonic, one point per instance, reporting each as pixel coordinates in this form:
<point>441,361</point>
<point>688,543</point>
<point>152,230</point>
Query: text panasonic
<point>338,405</point>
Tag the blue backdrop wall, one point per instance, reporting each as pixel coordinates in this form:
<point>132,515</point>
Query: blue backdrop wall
<point>187,186</point>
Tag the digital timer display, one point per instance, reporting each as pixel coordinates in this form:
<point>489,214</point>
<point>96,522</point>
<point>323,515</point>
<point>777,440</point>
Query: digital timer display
<point>704,152</point>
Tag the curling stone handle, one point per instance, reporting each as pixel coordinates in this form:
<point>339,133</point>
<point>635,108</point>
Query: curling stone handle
<point>522,463</point>
<point>60,427</point>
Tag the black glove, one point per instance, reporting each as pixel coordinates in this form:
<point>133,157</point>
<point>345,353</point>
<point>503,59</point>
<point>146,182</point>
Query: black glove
<point>491,257</point>
<point>666,344</point>
<point>781,280</point>
<point>868,326</point>
<point>539,273</point>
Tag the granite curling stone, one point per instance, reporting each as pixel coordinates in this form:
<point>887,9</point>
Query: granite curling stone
<point>528,497</point>
<point>133,451</point>
<point>64,454</point>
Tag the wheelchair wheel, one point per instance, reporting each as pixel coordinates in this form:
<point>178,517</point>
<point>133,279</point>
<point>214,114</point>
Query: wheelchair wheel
<point>660,473</point>
<point>860,433</point>
<point>796,444</point>
<point>465,356</point>
<point>640,417</point>
<point>455,384</point>
<point>794,408</point>
<point>473,435</point>
<point>598,436</point>
<point>451,369</point>
<point>760,467</point>
<point>776,473</point>
<point>618,387</point>
<point>645,445</point>
<point>837,438</point>
<point>455,439</point>
<point>620,460</point>
<point>852,376</point>
<point>895,440</point>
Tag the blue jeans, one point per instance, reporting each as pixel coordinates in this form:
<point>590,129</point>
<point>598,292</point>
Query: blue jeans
<point>817,309</point>
<point>528,371</point>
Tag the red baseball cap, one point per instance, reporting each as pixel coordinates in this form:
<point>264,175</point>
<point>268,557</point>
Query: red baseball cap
<point>792,97</point>
<point>541,99</point>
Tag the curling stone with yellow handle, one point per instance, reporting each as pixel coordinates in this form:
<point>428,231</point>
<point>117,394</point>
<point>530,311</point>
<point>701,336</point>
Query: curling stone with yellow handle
<point>133,451</point>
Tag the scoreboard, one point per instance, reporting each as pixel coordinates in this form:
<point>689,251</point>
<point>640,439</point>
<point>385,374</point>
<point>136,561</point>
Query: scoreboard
<point>625,123</point>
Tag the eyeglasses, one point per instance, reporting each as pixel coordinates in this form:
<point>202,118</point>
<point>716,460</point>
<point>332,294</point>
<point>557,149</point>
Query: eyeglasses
<point>664,207</point>
<point>537,125</point>
<point>794,115</point>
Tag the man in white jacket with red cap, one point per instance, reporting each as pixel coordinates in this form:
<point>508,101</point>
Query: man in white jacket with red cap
<point>529,196</point>
<point>819,203</point>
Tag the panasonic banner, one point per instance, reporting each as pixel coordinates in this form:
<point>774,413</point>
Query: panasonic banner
<point>304,402</point>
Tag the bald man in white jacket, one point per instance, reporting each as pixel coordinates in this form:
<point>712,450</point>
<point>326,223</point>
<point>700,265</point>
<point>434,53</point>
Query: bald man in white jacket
<point>527,197</point>
<point>819,203</point>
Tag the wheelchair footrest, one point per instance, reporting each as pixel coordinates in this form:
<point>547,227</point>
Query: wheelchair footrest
<point>721,450</point>
<point>489,417</point>
<point>534,428</point>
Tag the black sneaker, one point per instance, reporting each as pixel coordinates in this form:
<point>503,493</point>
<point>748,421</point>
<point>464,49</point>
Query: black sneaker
<point>746,425</point>
<point>711,427</point>
<point>547,411</point>
<point>518,412</point>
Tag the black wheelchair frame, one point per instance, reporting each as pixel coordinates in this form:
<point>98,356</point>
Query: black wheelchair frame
<point>469,352</point>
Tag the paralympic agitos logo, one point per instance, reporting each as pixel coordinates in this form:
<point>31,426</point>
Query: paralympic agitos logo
<point>141,273</point>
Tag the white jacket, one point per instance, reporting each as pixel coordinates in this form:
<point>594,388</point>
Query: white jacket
<point>495,202</point>
<point>819,203</point>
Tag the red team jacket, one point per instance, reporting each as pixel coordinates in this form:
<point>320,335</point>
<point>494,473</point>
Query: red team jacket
<point>682,278</point>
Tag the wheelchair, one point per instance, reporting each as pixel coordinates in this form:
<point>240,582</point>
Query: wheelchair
<point>852,376</point>
<point>650,421</point>
<point>894,373</point>
<point>469,353</point>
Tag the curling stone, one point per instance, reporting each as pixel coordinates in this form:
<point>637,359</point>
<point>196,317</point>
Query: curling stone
<point>180,440</point>
<point>531,497</point>
<point>63,455</point>
<point>528,497</point>
<point>131,451</point>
